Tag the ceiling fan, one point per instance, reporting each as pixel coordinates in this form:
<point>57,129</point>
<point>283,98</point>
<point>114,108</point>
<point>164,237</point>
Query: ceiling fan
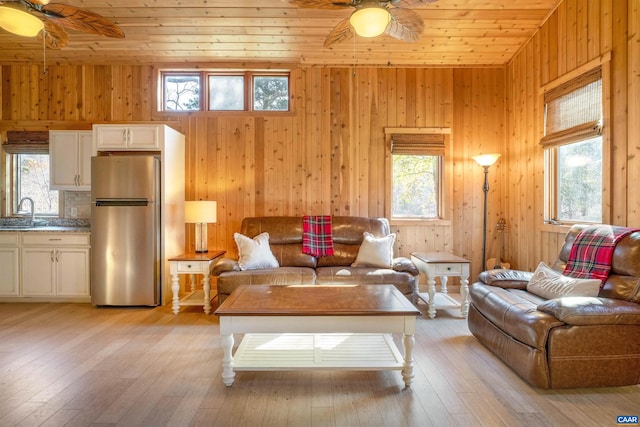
<point>29,17</point>
<point>372,18</point>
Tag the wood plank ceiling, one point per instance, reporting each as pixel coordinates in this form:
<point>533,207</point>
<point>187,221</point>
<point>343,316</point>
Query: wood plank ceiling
<point>457,33</point>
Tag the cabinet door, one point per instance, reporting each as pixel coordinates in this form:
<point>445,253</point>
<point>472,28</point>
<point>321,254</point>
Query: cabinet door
<point>111,137</point>
<point>63,150</point>
<point>38,272</point>
<point>72,272</point>
<point>85,149</point>
<point>144,137</point>
<point>9,268</point>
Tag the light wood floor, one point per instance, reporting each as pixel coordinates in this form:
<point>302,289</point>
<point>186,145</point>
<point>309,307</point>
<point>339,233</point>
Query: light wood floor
<point>76,365</point>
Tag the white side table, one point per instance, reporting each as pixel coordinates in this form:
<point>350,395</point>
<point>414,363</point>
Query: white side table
<point>192,263</point>
<point>434,264</point>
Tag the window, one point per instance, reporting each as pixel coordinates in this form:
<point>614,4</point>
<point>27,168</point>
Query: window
<point>216,90</point>
<point>30,178</point>
<point>181,92</point>
<point>417,163</point>
<point>574,150</point>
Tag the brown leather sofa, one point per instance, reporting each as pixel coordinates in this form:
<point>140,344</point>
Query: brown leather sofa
<point>297,268</point>
<point>564,342</point>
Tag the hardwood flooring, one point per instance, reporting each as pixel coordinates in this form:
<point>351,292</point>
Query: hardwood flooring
<point>76,365</point>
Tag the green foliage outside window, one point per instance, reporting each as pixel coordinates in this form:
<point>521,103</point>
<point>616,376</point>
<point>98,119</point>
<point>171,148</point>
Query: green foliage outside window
<point>271,93</point>
<point>415,186</point>
<point>580,181</point>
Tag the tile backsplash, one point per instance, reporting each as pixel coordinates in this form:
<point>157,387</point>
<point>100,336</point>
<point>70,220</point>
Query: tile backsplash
<point>80,200</point>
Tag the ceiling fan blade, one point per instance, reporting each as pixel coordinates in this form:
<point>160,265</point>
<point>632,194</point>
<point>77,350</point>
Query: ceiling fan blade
<point>82,20</point>
<point>341,32</point>
<point>405,25</point>
<point>321,4</point>
<point>411,3</point>
<point>55,37</point>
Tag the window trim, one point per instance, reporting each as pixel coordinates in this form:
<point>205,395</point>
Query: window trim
<point>248,76</point>
<point>446,177</point>
<point>550,150</point>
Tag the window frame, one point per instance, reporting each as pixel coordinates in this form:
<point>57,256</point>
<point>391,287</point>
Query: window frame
<point>445,177</point>
<point>550,151</point>
<point>11,162</point>
<point>204,95</point>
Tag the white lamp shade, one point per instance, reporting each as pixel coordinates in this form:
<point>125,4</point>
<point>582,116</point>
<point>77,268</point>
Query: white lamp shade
<point>200,211</point>
<point>486,160</point>
<point>20,22</point>
<point>370,21</point>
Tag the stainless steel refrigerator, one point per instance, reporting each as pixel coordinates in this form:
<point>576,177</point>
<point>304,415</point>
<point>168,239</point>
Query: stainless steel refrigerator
<point>125,230</point>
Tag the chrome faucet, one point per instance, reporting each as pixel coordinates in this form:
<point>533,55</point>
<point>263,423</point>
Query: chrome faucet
<point>21,210</point>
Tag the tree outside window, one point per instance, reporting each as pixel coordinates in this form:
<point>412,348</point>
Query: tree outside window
<point>415,186</point>
<point>32,180</point>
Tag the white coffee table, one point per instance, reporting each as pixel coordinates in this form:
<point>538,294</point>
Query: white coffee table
<point>317,327</point>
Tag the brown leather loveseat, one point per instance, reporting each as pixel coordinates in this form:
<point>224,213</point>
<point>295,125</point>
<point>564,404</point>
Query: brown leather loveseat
<point>564,342</point>
<point>297,268</point>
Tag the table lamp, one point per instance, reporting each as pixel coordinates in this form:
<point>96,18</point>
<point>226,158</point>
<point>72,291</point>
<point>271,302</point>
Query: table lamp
<point>200,213</point>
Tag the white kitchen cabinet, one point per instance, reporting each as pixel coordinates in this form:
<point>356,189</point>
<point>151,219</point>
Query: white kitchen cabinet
<point>55,265</point>
<point>127,137</point>
<point>70,158</point>
<point>9,256</point>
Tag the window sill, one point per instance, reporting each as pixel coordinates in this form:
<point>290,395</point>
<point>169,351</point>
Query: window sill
<point>427,222</point>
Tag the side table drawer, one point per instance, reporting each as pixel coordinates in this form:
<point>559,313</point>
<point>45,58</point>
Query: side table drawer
<point>448,269</point>
<point>189,267</point>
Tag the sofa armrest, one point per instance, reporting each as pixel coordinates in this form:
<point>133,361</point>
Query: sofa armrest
<point>405,264</point>
<point>223,265</point>
<point>504,278</point>
<point>592,311</point>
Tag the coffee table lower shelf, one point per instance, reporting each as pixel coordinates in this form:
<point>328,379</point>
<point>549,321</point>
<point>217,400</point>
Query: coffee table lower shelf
<point>295,351</point>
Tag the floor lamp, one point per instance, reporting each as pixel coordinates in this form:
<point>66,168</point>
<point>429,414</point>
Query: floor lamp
<point>485,160</point>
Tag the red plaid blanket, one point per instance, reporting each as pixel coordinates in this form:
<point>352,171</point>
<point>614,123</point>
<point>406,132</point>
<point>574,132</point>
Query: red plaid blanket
<point>591,253</point>
<point>317,237</point>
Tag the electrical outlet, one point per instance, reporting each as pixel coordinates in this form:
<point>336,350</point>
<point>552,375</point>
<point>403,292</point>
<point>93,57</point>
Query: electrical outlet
<point>73,212</point>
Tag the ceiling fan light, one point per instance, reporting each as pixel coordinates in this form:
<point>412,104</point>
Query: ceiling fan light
<point>18,22</point>
<point>370,21</point>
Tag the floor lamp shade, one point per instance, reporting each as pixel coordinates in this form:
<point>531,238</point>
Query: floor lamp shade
<point>200,213</point>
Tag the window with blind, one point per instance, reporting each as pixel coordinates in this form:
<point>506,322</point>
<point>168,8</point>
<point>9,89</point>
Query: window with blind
<point>416,175</point>
<point>28,173</point>
<point>573,149</point>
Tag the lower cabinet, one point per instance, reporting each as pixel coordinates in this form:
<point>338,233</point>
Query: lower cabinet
<point>9,265</point>
<point>52,265</point>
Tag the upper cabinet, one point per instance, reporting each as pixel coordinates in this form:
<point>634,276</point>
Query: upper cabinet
<point>127,137</point>
<point>70,158</point>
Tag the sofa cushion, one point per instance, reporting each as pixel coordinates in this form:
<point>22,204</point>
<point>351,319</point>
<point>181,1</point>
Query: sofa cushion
<point>550,284</point>
<point>375,251</point>
<point>254,253</point>
<point>340,275</point>
<point>514,311</point>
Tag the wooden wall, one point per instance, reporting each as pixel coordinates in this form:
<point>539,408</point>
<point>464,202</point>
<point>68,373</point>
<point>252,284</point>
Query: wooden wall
<point>326,157</point>
<point>578,33</point>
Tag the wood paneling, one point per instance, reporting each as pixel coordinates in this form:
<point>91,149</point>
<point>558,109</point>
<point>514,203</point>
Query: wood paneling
<point>325,157</point>
<point>577,33</point>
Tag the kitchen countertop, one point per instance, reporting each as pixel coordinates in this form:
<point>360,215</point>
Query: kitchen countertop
<point>45,229</point>
<point>45,225</point>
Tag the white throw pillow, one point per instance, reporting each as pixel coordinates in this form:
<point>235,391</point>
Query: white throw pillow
<point>549,284</point>
<point>255,253</point>
<point>375,251</point>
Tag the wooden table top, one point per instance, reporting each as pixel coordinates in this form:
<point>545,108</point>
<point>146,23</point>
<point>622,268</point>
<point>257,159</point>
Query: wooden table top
<point>199,256</point>
<point>316,300</point>
<point>429,257</point>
